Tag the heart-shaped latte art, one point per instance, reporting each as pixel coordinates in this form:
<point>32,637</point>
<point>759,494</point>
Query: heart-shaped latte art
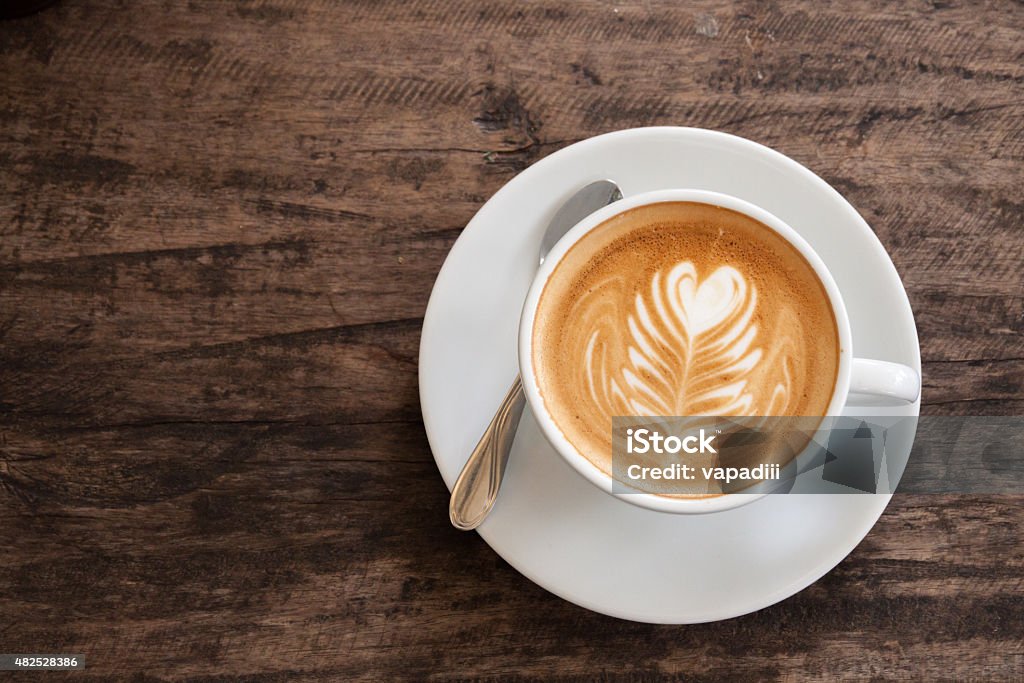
<point>703,305</point>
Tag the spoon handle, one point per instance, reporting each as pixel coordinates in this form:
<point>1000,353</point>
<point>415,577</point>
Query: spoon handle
<point>477,487</point>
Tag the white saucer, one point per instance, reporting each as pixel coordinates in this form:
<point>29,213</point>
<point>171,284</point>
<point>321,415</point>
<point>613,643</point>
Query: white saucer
<point>552,525</point>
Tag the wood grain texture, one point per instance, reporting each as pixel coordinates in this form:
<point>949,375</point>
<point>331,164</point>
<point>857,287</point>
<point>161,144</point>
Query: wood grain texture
<point>219,226</point>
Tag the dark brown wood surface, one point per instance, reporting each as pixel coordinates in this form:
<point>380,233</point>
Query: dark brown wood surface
<point>219,226</point>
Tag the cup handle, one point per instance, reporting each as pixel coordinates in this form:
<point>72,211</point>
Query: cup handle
<point>882,378</point>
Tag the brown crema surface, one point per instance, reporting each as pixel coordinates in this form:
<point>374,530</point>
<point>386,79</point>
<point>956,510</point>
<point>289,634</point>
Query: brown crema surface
<point>679,309</point>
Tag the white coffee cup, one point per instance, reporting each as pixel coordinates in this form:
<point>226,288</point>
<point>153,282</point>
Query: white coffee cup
<point>855,375</point>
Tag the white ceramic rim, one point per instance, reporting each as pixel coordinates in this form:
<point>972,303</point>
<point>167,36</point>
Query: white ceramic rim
<point>548,425</point>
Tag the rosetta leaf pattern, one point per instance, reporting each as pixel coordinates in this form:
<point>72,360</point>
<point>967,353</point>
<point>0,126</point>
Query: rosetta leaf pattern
<point>690,347</point>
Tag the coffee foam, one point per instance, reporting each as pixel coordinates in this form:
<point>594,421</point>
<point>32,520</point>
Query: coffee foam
<point>681,308</point>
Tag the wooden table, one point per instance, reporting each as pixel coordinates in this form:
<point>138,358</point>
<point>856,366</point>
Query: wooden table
<point>219,226</point>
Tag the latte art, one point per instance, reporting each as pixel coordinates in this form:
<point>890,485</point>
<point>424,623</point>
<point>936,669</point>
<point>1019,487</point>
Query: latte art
<point>681,309</point>
<point>689,348</point>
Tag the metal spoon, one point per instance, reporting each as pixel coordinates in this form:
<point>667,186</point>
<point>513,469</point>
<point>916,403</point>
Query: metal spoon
<point>477,486</point>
